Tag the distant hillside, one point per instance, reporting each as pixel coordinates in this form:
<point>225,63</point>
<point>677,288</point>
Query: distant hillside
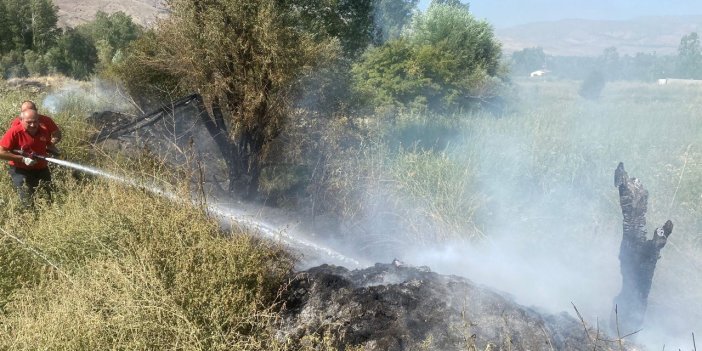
<point>577,37</point>
<point>572,37</point>
<point>74,12</point>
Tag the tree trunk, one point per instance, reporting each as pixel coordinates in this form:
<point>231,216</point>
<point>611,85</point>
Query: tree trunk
<point>233,154</point>
<point>637,255</point>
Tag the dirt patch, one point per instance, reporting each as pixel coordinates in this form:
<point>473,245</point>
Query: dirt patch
<point>33,85</point>
<point>145,12</point>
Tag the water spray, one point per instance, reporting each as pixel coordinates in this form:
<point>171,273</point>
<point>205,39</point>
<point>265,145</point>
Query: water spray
<point>220,211</point>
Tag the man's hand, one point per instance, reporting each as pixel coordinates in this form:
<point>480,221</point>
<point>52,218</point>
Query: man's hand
<point>53,150</point>
<point>28,161</point>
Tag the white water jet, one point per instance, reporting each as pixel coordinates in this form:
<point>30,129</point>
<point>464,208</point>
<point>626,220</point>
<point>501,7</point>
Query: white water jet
<point>228,214</point>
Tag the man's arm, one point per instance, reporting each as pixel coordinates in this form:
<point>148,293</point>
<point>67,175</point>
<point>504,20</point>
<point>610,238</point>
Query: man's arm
<point>6,154</point>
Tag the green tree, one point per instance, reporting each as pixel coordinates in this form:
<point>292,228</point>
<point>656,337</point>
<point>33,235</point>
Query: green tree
<point>528,60</point>
<point>350,21</point>
<point>591,87</point>
<point>43,24</point>
<point>245,59</point>
<point>447,61</point>
<point>390,17</point>
<point>19,24</point>
<point>12,65</point>
<point>641,66</point>
<point>35,63</point>
<point>26,27</point>
<point>389,76</point>
<point>610,63</point>
<point>455,3</point>
<point>110,34</point>
<point>5,32</point>
<point>689,63</point>
<point>74,55</point>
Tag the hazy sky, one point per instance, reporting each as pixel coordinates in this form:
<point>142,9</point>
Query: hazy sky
<point>502,13</point>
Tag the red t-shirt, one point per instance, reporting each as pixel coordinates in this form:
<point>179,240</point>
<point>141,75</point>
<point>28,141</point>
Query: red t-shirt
<point>45,121</point>
<point>16,138</point>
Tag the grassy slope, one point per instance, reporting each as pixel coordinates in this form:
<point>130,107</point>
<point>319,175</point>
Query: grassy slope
<point>108,267</point>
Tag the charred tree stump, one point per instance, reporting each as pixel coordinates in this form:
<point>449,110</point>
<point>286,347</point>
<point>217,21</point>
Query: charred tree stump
<point>637,255</point>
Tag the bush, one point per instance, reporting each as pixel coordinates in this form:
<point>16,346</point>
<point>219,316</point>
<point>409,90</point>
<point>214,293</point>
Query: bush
<point>446,62</point>
<point>592,86</point>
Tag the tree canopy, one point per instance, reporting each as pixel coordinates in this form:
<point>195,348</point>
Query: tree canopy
<point>528,60</point>
<point>244,58</point>
<point>32,44</point>
<point>689,63</point>
<point>390,17</point>
<point>447,60</point>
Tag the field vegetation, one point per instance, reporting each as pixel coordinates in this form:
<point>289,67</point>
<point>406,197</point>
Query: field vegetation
<point>108,267</point>
<point>108,260</point>
<point>386,133</point>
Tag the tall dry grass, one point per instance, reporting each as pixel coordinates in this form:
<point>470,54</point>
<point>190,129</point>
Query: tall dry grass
<point>117,268</point>
<point>105,266</point>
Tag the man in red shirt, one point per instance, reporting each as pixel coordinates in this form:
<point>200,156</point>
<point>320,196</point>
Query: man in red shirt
<point>27,173</point>
<point>45,122</point>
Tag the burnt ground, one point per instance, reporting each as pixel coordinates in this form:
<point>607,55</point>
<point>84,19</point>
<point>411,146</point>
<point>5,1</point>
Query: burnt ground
<point>394,307</point>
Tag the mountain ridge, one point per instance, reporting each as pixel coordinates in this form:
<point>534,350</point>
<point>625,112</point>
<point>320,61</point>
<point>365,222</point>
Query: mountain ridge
<point>566,37</point>
<point>583,37</point>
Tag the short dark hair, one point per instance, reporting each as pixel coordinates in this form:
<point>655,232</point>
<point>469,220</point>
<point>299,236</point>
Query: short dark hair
<point>34,106</point>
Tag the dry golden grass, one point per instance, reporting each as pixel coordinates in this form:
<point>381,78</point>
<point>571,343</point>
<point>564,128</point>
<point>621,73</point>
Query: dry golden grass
<point>105,266</point>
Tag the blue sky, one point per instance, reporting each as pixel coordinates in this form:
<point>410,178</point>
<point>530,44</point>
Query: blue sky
<point>502,13</point>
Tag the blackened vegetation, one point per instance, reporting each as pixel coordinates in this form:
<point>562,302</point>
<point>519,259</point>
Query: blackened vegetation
<point>393,307</point>
<point>181,132</point>
<point>637,255</point>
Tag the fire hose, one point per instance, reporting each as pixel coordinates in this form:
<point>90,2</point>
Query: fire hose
<point>33,155</point>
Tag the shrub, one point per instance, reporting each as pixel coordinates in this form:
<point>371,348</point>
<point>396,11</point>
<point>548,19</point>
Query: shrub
<point>592,86</point>
<point>445,62</point>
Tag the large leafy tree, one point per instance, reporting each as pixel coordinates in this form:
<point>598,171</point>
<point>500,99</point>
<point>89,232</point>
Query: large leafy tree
<point>28,30</point>
<point>245,58</point>
<point>690,57</point>
<point>5,31</point>
<point>116,28</point>
<point>110,34</point>
<point>43,24</point>
<point>74,55</point>
<point>456,3</point>
<point>357,25</point>
<point>350,21</point>
<point>610,63</point>
<point>29,25</point>
<point>447,61</point>
<point>18,24</point>
<point>390,17</point>
<point>528,60</point>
